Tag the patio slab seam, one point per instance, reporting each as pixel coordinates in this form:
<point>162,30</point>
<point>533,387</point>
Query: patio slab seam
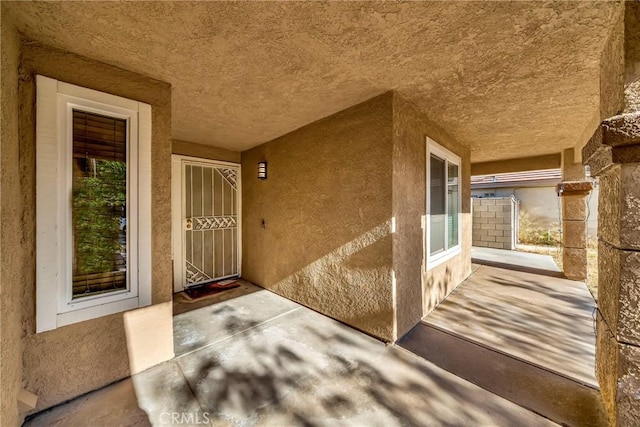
<point>186,381</point>
<point>236,333</point>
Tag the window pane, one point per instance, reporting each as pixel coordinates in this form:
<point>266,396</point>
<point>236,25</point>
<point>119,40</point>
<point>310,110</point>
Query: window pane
<point>99,204</point>
<point>436,205</point>
<point>453,200</point>
<point>452,174</point>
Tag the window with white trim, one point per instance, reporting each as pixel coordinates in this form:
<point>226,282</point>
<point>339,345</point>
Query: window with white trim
<point>93,204</point>
<point>443,230</point>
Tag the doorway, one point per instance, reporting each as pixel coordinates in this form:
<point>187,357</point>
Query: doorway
<point>206,221</point>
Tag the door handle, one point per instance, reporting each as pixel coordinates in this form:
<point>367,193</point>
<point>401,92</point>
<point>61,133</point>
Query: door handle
<point>188,224</point>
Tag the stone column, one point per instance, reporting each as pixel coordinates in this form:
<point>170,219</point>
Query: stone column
<point>574,190</point>
<point>613,154</point>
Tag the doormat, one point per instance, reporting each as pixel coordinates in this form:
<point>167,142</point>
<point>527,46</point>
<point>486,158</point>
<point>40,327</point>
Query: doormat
<point>207,289</point>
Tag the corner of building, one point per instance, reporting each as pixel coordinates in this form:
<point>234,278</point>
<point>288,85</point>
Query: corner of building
<point>419,290</point>
<point>12,253</point>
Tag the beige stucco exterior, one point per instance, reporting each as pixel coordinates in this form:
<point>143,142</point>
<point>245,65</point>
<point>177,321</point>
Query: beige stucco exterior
<point>245,73</point>
<point>549,161</point>
<point>612,69</point>
<point>60,364</point>
<point>632,57</point>
<point>333,191</point>
<point>12,252</point>
<point>337,225</point>
<point>202,151</point>
<point>326,206</point>
<point>418,290</point>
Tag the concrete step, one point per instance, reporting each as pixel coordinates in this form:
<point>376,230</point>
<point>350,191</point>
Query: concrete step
<point>557,397</point>
<point>515,260</point>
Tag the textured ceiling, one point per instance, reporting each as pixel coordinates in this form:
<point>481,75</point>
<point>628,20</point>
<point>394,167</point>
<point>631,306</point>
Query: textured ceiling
<point>507,79</point>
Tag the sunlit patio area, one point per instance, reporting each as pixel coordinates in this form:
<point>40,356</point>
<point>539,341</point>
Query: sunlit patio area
<point>515,328</point>
<point>250,357</point>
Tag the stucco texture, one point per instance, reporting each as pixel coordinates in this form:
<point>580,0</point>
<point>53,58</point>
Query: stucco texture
<point>202,151</point>
<point>632,57</point>
<point>12,252</point>
<point>71,360</point>
<point>326,207</point>
<point>417,290</point>
<point>333,191</point>
<point>612,69</point>
<point>257,70</point>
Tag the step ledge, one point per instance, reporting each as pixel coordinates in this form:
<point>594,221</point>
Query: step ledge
<point>595,387</point>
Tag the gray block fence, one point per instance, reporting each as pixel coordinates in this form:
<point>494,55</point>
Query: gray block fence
<point>495,222</point>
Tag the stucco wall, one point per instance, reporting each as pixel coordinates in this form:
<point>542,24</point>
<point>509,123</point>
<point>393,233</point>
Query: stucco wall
<point>12,252</point>
<point>612,67</point>
<point>332,189</point>
<point>326,207</point>
<point>419,291</point>
<point>409,204</point>
<point>632,57</point>
<point>204,151</point>
<point>72,360</point>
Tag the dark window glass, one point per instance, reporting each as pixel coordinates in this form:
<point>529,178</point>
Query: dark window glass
<point>437,207</point>
<point>99,210</point>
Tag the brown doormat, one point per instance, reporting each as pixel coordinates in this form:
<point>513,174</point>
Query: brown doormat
<point>204,290</point>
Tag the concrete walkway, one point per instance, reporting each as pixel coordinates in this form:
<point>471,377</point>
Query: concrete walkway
<point>545,320</point>
<point>527,337</point>
<point>260,359</point>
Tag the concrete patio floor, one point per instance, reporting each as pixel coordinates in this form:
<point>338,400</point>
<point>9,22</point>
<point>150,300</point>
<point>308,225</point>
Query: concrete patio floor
<point>526,337</point>
<point>544,320</point>
<point>250,357</point>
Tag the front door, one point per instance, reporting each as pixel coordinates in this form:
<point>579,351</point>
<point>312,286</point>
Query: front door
<point>208,246</point>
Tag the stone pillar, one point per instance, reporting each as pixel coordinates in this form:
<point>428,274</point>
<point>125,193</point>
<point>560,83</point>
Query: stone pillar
<point>613,154</point>
<point>574,190</point>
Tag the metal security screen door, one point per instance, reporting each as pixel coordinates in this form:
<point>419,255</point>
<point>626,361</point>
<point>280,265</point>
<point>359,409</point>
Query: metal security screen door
<point>209,223</point>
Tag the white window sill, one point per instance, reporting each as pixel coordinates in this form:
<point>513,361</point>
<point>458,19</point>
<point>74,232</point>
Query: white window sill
<point>434,261</point>
<point>94,312</point>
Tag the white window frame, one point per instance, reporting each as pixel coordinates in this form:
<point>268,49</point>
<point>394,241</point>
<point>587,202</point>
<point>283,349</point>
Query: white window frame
<point>54,232</point>
<point>433,148</point>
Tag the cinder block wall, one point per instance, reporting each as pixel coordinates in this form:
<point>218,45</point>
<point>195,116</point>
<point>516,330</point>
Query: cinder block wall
<point>494,222</point>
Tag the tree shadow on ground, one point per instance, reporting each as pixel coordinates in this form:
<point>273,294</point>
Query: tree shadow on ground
<point>310,370</point>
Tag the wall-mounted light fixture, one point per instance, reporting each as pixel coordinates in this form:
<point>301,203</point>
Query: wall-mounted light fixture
<point>262,170</point>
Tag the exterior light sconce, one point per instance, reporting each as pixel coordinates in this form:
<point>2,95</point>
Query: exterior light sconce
<point>262,170</point>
